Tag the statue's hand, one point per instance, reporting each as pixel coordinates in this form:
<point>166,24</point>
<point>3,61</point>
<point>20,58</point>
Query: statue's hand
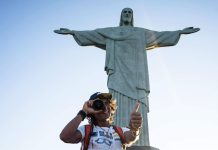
<point>63,31</point>
<point>189,30</point>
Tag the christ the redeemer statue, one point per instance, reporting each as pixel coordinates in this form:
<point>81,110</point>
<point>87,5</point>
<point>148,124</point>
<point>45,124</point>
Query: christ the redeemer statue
<point>126,62</point>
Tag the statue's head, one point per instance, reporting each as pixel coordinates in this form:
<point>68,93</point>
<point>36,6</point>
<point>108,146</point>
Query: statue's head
<point>126,17</point>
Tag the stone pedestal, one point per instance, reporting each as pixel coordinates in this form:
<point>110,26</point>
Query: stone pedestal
<point>141,148</point>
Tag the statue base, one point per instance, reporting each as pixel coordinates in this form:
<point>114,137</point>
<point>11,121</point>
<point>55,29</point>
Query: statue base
<point>141,148</point>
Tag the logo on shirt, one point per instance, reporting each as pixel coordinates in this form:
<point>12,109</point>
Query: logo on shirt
<point>103,141</point>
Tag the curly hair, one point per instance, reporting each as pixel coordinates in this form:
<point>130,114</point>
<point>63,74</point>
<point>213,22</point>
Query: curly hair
<point>113,106</point>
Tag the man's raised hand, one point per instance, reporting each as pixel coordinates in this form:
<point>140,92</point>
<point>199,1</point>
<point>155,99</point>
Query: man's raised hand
<point>87,107</point>
<point>135,119</point>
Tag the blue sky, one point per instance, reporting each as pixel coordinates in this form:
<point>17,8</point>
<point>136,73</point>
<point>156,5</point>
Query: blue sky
<point>45,77</point>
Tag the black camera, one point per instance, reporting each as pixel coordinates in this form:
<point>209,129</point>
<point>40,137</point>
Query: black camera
<point>98,105</point>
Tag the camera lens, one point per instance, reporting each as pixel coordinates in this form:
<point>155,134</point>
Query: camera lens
<point>98,105</point>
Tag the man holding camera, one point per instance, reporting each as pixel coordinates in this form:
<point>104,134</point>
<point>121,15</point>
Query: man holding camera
<point>100,133</point>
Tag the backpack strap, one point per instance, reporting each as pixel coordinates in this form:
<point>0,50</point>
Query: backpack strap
<point>88,131</point>
<point>119,131</point>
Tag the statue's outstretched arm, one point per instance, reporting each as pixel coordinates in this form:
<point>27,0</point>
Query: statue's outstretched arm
<point>189,30</point>
<point>64,31</point>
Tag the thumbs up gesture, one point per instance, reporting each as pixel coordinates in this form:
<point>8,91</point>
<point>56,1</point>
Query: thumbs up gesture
<point>135,119</point>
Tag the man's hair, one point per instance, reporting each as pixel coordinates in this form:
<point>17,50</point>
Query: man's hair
<point>121,18</point>
<point>113,106</point>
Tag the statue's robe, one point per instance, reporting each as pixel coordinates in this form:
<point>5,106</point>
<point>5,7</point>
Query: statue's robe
<point>126,65</point>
